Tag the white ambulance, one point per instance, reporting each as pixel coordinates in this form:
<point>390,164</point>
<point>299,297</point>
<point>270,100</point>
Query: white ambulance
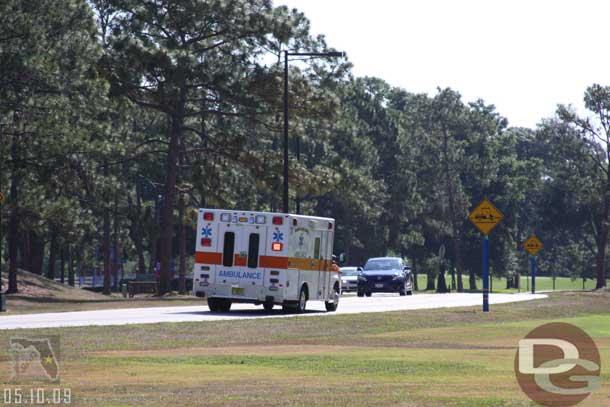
<point>264,258</point>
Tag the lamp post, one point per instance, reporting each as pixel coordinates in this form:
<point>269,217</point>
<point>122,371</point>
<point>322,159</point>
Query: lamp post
<point>286,55</point>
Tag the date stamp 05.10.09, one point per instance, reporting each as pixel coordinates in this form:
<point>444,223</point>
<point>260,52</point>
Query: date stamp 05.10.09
<point>35,372</point>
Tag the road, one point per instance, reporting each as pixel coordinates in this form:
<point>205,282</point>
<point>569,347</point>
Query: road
<point>347,305</point>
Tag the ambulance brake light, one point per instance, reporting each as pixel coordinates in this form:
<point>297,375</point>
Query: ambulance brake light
<point>276,247</point>
<point>209,216</point>
<point>277,220</point>
<point>206,242</point>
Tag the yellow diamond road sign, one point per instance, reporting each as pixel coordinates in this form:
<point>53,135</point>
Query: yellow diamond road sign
<point>485,216</point>
<point>533,245</point>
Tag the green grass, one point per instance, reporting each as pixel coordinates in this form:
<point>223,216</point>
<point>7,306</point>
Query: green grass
<point>498,284</point>
<point>443,357</point>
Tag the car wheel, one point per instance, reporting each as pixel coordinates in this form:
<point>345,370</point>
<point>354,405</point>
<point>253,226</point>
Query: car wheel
<point>332,306</point>
<point>368,294</point>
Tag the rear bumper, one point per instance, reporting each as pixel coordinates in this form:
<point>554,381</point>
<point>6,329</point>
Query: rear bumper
<point>240,294</point>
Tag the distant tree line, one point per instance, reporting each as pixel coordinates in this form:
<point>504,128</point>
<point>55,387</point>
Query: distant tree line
<point>119,118</point>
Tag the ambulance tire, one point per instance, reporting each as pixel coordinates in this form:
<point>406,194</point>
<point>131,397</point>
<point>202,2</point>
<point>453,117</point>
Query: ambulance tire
<point>219,305</point>
<point>368,294</point>
<point>214,304</point>
<point>225,306</point>
<point>302,304</point>
<point>360,293</point>
<point>268,306</point>
<point>332,306</point>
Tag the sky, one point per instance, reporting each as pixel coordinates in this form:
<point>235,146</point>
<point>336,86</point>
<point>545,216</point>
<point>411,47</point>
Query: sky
<point>524,57</point>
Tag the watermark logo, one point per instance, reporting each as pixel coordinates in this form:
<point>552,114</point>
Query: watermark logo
<point>35,358</point>
<point>558,365</point>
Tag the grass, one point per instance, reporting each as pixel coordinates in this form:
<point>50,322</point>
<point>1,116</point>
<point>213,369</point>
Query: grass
<point>443,357</point>
<point>543,283</point>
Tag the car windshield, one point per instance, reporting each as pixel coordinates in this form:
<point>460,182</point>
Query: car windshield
<point>349,271</point>
<point>383,264</point>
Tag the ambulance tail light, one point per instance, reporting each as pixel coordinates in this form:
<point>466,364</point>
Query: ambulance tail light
<point>274,281</point>
<point>206,242</point>
<point>330,226</point>
<point>277,220</point>
<point>277,247</point>
<point>209,216</point>
<point>275,273</point>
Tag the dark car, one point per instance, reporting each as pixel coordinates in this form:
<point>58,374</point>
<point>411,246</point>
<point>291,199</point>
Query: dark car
<point>385,275</point>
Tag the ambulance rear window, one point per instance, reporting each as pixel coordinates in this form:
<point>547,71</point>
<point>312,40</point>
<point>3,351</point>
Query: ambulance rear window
<point>229,248</point>
<point>253,250</point>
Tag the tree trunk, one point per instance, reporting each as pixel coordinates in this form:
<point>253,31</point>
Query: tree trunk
<point>62,262</point>
<point>115,249</point>
<point>472,280</point>
<point>106,241</point>
<point>430,281</point>
<point>182,237</point>
<point>13,222</point>
<point>52,253</point>
<point>457,253</point>
<point>600,258</point>
<point>602,244</point>
<point>70,267</point>
<point>415,285</point>
<point>441,287</point>
<point>136,234</point>
<point>167,221</point>
<point>37,253</point>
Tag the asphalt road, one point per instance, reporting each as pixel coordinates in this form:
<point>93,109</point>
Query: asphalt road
<point>347,305</point>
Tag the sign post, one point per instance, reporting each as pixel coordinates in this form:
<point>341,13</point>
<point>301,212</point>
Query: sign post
<point>533,246</point>
<point>2,296</point>
<point>485,216</point>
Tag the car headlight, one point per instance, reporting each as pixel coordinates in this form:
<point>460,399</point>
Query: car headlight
<point>397,277</point>
<point>361,278</point>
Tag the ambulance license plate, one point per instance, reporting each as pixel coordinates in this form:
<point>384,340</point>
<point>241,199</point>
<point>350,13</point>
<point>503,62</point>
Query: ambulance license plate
<point>379,285</point>
<point>237,291</point>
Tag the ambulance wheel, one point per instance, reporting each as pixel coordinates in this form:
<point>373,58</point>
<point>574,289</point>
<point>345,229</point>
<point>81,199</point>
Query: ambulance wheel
<point>225,306</point>
<point>268,306</point>
<point>360,294</point>
<point>300,308</point>
<point>214,304</point>
<point>368,294</point>
<point>332,306</point>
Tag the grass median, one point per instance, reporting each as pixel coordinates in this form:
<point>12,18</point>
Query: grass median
<point>443,357</point>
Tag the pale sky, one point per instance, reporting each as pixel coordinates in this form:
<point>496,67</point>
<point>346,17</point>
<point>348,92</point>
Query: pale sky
<point>524,57</point>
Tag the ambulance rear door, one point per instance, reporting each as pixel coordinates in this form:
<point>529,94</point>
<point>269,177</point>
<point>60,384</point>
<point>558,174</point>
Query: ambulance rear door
<point>240,245</point>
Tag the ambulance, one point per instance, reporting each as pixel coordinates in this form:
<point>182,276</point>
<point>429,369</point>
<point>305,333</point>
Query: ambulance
<point>264,258</point>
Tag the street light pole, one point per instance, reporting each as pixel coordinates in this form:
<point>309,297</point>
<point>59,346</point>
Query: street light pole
<point>286,132</point>
<point>286,55</point>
